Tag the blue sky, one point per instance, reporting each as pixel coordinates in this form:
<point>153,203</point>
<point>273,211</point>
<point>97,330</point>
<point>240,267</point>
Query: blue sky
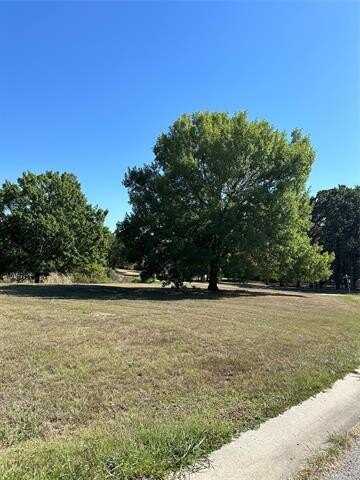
<point>87,87</point>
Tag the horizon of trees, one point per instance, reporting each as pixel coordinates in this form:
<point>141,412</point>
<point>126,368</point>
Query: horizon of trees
<point>336,226</point>
<point>223,197</point>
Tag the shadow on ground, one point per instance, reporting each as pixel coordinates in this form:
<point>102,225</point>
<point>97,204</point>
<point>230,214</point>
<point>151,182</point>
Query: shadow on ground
<point>306,289</point>
<point>110,292</point>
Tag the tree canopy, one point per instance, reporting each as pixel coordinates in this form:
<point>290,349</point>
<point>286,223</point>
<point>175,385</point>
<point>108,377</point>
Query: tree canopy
<point>336,219</point>
<point>46,225</point>
<point>223,192</point>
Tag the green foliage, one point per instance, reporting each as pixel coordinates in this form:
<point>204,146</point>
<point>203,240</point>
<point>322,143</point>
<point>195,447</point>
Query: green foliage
<point>91,273</point>
<point>221,193</point>
<point>292,257</point>
<point>117,255</point>
<point>336,218</point>
<point>47,225</point>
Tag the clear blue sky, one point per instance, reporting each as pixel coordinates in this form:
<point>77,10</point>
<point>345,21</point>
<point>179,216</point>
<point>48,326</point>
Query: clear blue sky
<point>86,87</point>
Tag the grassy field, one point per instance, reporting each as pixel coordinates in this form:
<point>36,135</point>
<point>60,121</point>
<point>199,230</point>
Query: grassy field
<point>133,382</point>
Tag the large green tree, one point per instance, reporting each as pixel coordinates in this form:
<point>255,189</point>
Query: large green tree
<point>47,225</point>
<point>222,191</point>
<point>336,226</point>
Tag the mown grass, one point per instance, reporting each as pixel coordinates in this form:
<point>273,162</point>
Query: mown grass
<point>135,382</point>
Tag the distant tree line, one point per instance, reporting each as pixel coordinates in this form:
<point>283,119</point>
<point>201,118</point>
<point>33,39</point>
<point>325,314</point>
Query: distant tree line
<point>336,226</point>
<point>223,197</point>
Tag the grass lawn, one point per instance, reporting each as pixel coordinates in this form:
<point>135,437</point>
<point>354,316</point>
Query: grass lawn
<point>133,382</point>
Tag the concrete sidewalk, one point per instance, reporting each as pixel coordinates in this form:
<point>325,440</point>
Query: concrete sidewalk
<point>280,447</point>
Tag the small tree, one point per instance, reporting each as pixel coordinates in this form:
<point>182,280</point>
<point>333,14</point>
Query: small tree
<point>292,256</point>
<point>221,188</point>
<point>46,225</point>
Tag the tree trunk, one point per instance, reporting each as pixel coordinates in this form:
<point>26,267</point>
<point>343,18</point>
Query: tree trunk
<point>37,277</point>
<point>213,276</point>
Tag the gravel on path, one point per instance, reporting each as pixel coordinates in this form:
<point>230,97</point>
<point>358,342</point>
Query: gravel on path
<point>349,467</point>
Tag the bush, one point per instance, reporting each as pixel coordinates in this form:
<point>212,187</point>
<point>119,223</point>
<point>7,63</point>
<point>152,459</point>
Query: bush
<point>93,273</point>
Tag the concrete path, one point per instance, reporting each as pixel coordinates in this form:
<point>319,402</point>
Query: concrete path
<point>280,447</point>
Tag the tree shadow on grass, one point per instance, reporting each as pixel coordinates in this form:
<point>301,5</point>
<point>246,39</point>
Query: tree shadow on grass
<point>110,292</point>
<point>305,289</point>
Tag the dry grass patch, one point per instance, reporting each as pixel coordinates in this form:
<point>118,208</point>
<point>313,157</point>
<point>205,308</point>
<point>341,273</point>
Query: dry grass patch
<point>133,382</point>
<point>329,459</point>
